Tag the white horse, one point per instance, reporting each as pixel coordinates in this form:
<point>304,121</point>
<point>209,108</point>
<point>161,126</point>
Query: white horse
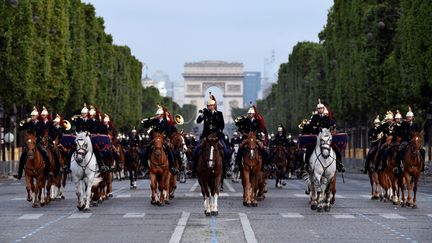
<point>234,170</point>
<point>323,168</point>
<point>84,168</point>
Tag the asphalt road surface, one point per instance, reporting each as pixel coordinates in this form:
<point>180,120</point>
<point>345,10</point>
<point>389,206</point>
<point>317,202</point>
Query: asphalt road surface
<point>284,216</point>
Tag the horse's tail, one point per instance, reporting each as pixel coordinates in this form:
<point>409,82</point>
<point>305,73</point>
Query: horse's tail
<point>306,178</point>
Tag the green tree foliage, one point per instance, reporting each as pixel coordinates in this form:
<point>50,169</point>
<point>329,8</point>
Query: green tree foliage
<point>56,53</point>
<point>373,56</point>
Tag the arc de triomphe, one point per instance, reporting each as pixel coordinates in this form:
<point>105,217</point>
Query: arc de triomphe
<point>200,77</point>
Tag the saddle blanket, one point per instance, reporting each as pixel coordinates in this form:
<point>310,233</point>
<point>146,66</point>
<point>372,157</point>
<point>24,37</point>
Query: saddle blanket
<point>100,143</point>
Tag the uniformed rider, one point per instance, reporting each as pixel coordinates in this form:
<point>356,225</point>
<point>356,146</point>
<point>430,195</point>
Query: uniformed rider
<point>81,123</point>
<point>159,123</point>
<point>374,137</point>
<point>33,125</point>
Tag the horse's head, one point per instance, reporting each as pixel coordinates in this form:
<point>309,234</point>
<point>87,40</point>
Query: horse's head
<point>417,140</point>
<point>158,141</point>
<point>83,146</point>
<point>324,140</point>
<point>212,139</point>
<point>178,142</point>
<point>31,145</point>
<point>251,140</point>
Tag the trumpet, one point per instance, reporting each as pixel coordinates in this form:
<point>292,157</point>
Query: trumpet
<point>178,119</point>
<point>302,124</point>
<point>21,123</point>
<point>240,118</point>
<point>67,125</point>
<point>146,119</point>
<point>75,117</point>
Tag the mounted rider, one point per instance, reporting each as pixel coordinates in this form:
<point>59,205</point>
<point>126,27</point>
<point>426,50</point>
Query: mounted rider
<point>57,129</point>
<point>34,126</point>
<point>235,139</point>
<point>318,121</point>
<point>81,123</point>
<point>385,130</point>
<point>213,123</point>
<point>47,125</point>
<point>161,123</point>
<point>253,122</point>
<point>280,139</point>
<point>374,137</point>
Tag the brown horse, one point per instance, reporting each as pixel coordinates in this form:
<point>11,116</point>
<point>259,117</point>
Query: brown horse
<point>209,172</point>
<point>281,163</point>
<point>252,162</point>
<point>133,164</point>
<point>119,161</point>
<point>34,170</point>
<point>412,164</point>
<point>159,171</point>
<point>56,179</point>
<point>60,180</point>
<point>178,146</point>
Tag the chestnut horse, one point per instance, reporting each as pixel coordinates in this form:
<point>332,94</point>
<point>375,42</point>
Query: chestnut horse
<point>281,163</point>
<point>34,170</point>
<point>412,164</point>
<point>209,172</point>
<point>252,162</point>
<point>132,163</point>
<point>159,171</point>
<point>179,148</point>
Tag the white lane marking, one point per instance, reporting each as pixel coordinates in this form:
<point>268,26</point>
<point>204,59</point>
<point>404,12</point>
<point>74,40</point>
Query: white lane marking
<point>118,190</point>
<point>247,229</point>
<point>18,199</point>
<point>391,216</point>
<point>301,195</point>
<point>80,216</point>
<point>429,215</point>
<point>31,216</point>
<point>16,183</point>
<point>123,196</point>
<point>134,215</point>
<point>366,196</point>
<point>194,186</point>
<point>291,215</point>
<point>230,188</point>
<point>179,229</point>
<point>344,216</point>
<point>340,196</point>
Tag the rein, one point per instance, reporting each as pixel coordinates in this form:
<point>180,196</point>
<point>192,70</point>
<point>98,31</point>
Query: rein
<point>321,163</point>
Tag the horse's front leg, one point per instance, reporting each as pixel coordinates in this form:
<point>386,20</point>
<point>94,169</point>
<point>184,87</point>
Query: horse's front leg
<point>29,188</point>
<point>416,179</point>
<point>255,189</point>
<point>153,189</point>
<point>88,192</point>
<point>207,209</point>
<point>79,192</point>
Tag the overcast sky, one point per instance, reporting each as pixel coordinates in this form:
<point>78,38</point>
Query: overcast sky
<point>165,34</point>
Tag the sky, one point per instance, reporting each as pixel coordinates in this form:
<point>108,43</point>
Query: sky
<point>165,34</point>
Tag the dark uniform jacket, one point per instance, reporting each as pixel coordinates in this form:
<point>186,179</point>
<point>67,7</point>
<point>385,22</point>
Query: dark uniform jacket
<point>279,140</point>
<point>160,126</point>
<point>235,141</point>
<point>45,127</point>
<point>213,122</point>
<point>55,131</point>
<point>104,129</point>
<point>248,125</point>
<point>33,127</point>
<point>386,129</point>
<point>93,126</point>
<point>81,124</point>
<point>134,141</point>
<point>408,128</point>
<point>321,121</point>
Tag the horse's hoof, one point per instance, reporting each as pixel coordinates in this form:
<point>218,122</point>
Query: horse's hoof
<point>313,206</point>
<point>62,197</point>
<point>207,213</point>
<point>249,205</point>
<point>35,206</point>
<point>153,203</point>
<point>167,202</point>
<point>171,197</point>
<point>80,208</point>
<point>95,204</point>
<point>29,199</point>
<point>110,195</point>
<point>131,187</point>
<point>245,204</point>
<point>214,213</point>
<point>403,205</point>
<point>327,209</point>
<point>254,205</point>
<point>414,206</point>
<point>319,209</point>
<point>86,210</point>
<point>42,204</point>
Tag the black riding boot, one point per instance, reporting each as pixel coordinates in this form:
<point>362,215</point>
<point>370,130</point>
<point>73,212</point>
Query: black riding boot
<point>173,169</point>
<point>239,158</point>
<point>56,160</point>
<point>21,165</point>
<point>422,154</point>
<point>46,160</point>
<point>339,166</point>
<point>101,165</point>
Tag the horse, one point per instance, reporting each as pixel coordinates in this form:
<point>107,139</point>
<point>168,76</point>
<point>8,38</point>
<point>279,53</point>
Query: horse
<point>133,164</point>
<point>252,162</point>
<point>235,171</point>
<point>209,172</point>
<point>412,164</point>
<point>84,168</point>
<point>372,173</point>
<point>159,171</point>
<point>323,168</point>
<point>281,163</point>
<point>34,170</point>
<point>59,181</point>
<point>179,148</point>
<point>54,180</point>
<point>389,178</point>
<point>119,161</point>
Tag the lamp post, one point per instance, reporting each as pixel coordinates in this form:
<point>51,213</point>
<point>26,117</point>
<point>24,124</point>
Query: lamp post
<point>2,143</point>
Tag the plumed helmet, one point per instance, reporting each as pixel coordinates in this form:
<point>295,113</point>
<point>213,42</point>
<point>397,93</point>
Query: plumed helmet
<point>106,118</point>
<point>251,110</point>
<point>280,128</point>
<point>388,116</point>
<point>34,112</point>
<point>235,133</point>
<point>44,111</point>
<point>92,111</point>
<point>84,110</point>
<point>325,112</point>
<point>212,99</point>
<point>377,120</point>
<point>57,119</point>
<point>320,105</point>
<point>134,130</point>
<point>398,115</point>
<point>159,110</point>
<point>289,136</point>
<point>409,113</point>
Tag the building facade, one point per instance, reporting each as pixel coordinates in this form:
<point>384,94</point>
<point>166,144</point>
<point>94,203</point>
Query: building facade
<point>224,79</point>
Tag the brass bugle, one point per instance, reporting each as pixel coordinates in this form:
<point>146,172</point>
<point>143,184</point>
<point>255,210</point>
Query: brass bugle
<point>146,119</point>
<point>75,117</point>
<point>67,125</point>
<point>21,123</point>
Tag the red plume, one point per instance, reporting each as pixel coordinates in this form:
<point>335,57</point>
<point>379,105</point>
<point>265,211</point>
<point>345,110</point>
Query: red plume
<point>168,116</point>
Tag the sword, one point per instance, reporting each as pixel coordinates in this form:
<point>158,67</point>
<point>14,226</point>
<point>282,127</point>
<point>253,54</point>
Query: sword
<point>343,178</point>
